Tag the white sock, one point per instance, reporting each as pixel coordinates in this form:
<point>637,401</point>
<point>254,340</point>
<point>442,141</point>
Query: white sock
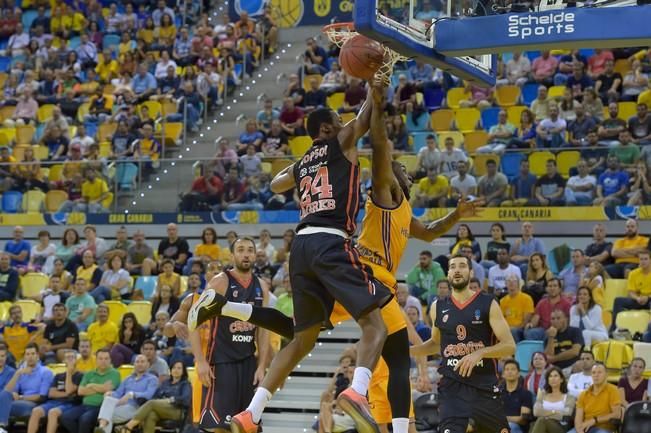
<point>400,425</point>
<point>361,378</point>
<point>258,403</point>
<point>237,310</point>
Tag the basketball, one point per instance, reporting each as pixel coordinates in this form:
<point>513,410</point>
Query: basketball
<point>361,57</point>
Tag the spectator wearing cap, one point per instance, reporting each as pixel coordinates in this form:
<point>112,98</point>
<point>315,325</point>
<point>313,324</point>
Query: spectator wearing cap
<point>18,248</point>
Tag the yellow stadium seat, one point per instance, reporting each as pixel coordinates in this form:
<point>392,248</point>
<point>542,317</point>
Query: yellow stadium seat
<point>32,283</point>
<point>18,151</point>
<point>277,165</point>
<point>466,119</point>
<point>154,108</point>
<point>627,110</point>
<point>346,117</point>
<point>105,149</point>
<point>622,66</point>
<point>106,203</point>
<point>54,199</point>
<point>455,135</point>
<point>183,287</point>
<point>192,375</point>
<point>3,78</point>
<point>441,120</point>
<point>615,288</point>
<point>479,162</point>
<point>44,112</point>
<point>33,201</point>
<point>168,107</point>
<point>299,145</point>
<point>364,162</point>
<point>173,132</point>
<point>24,134</point>
<point>538,161</point>
<point>614,354</point>
<point>507,96</point>
<point>7,111</point>
<point>556,92</point>
<point>474,140</point>
<point>105,131</point>
<point>266,167</point>
<point>643,350</point>
<point>125,370</point>
<point>31,309</point>
<point>336,100</point>
<point>57,368</point>
<point>56,173</point>
<point>409,161</point>
<point>142,311</point>
<point>566,160</point>
<point>513,114</point>
<point>307,78</point>
<point>83,111</point>
<point>633,320</point>
<point>116,311</point>
<point>41,152</point>
<point>455,95</point>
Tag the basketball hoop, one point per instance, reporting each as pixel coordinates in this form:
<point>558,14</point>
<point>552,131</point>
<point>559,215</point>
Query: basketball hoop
<point>339,33</point>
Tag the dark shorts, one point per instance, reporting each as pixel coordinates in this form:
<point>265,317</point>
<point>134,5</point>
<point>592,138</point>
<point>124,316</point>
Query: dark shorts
<point>325,268</point>
<point>459,402</point>
<point>229,394</point>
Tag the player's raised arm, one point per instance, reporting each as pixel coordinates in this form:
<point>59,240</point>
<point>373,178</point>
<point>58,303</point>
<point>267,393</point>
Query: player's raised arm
<point>433,345</point>
<point>382,173</point>
<point>284,181</point>
<point>358,127</point>
<point>505,344</point>
<point>436,229</point>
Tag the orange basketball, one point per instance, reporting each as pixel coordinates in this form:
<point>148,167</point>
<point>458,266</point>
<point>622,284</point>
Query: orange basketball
<point>361,57</point>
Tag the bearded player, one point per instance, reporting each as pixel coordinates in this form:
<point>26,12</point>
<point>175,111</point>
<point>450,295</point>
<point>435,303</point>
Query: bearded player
<point>473,335</point>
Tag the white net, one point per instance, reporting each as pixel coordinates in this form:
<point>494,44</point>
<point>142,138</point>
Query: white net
<point>339,33</point>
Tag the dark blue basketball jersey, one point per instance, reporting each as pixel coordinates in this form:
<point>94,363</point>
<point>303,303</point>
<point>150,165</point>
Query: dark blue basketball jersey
<point>464,329</point>
<point>234,340</point>
<point>328,186</point>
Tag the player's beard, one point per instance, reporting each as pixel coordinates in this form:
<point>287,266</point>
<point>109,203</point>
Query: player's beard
<point>244,267</point>
<point>459,286</point>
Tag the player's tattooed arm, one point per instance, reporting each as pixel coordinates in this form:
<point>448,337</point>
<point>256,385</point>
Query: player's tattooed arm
<point>284,181</point>
<point>431,346</point>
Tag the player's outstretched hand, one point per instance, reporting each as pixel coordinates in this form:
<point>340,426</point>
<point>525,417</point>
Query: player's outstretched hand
<point>470,208</point>
<point>467,363</point>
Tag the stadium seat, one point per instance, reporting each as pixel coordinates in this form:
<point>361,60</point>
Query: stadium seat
<point>11,201</point>
<point>56,173</point>
<point>422,124</point>
<point>489,117</point>
<point>627,110</point>
<point>441,120</point>
<point>168,107</point>
<point>336,100</point>
<point>266,167</point>
<point>125,176</point>
<point>524,350</point>
<point>74,42</point>
<point>142,311</point>
<point>622,66</point>
<point>455,135</point>
<point>41,152</point>
<point>511,164</point>
<point>111,42</point>
<point>277,165</point>
<point>307,78</point>
<point>433,98</point>
<point>299,145</point>
<point>25,134</point>
<point>125,370</point>
<point>364,162</point>
<point>154,108</point>
<point>615,288</point>
<point>33,201</point>
<point>455,95</point>
<point>419,140</point>
<point>466,119</point>
<point>105,131</point>
<point>146,284</point>
<point>32,283</point>
<point>474,140</point>
<point>538,161</point>
<point>633,320</point>
<point>637,418</point>
<point>31,309</point>
<point>409,161</point>
<point>44,113</point>
<point>4,310</point>
<point>192,376</point>
<point>18,151</point>
<point>556,92</point>
<point>28,18</point>
<point>529,93</point>
<point>116,311</point>
<point>172,133</point>
<point>507,96</point>
<point>643,350</point>
<point>566,160</point>
<point>479,162</point>
<point>532,55</point>
<point>5,63</point>
<point>615,355</point>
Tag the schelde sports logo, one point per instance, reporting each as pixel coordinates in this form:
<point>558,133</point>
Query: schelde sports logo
<point>549,24</point>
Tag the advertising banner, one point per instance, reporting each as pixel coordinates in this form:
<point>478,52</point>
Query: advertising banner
<point>294,13</point>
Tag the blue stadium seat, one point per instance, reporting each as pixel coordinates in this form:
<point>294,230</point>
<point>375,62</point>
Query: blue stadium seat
<point>3,44</point>
<point>489,117</point>
<point>74,42</point>
<point>5,63</point>
<point>533,55</point>
<point>586,52</point>
<point>126,175</point>
<point>38,134</point>
<point>18,59</point>
<point>524,350</point>
<point>433,98</point>
<point>28,18</point>
<point>111,41</point>
<point>511,164</point>
<point>147,285</point>
<point>420,125</point>
<point>238,70</point>
<point>11,201</point>
<point>420,140</point>
<point>91,128</point>
<point>529,93</point>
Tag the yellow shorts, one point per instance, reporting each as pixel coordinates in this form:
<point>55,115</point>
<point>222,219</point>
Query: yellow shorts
<point>391,313</point>
<point>197,389</point>
<point>377,395</point>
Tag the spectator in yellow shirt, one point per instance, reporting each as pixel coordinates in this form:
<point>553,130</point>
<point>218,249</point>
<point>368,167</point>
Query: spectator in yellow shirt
<point>102,333</point>
<point>626,249</point>
<point>432,190</point>
<point>516,306</point>
<point>597,405</point>
<point>147,148</point>
<point>107,69</point>
<point>639,289</point>
<point>208,250</point>
<point>17,334</point>
<point>168,277</point>
<point>86,360</point>
<point>94,191</point>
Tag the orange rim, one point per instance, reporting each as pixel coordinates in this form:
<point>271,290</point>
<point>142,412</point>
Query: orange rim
<point>350,26</point>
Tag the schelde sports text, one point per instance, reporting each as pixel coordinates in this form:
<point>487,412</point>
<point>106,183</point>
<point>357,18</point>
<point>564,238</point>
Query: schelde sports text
<point>549,24</point>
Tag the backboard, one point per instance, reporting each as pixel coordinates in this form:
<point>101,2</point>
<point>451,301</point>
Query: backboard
<point>463,36</point>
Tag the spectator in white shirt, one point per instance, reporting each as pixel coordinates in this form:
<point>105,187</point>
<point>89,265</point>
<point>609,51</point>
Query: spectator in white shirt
<point>498,274</point>
<point>157,15</point>
<point>580,189</point>
<point>581,380</point>
<point>428,158</point>
<point>333,80</point>
<point>18,42</point>
<point>87,52</point>
<point>450,157</point>
<point>462,185</point>
<point>82,139</point>
<point>551,130</point>
<point>585,315</point>
<point>517,71</point>
<point>163,64</point>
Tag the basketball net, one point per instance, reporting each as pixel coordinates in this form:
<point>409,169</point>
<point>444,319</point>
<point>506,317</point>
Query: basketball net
<point>339,33</point>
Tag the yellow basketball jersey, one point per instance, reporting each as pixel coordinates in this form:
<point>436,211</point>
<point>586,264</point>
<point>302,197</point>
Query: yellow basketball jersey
<point>383,240</point>
<point>197,387</point>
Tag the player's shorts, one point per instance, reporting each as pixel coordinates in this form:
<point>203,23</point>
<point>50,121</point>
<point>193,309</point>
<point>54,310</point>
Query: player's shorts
<point>377,395</point>
<point>459,402</point>
<point>325,268</point>
<point>391,315</point>
<point>229,393</point>
<point>54,404</point>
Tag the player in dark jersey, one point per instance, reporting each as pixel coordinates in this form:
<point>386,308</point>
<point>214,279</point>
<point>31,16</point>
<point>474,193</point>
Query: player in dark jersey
<point>229,371</point>
<point>323,265</point>
<point>466,327</point>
